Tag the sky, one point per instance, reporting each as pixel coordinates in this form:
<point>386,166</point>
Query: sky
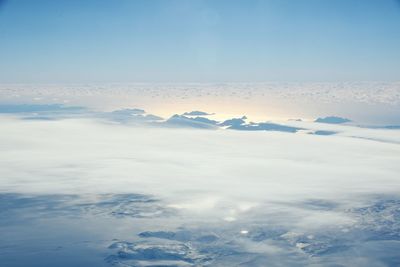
<point>291,160</point>
<point>47,41</point>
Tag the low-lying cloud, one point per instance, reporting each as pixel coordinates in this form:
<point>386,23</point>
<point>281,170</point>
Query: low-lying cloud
<point>261,195</point>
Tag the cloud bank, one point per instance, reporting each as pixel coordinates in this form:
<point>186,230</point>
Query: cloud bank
<point>179,196</point>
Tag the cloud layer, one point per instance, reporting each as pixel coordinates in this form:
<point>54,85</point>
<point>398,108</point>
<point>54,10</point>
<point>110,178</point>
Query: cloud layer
<point>184,196</point>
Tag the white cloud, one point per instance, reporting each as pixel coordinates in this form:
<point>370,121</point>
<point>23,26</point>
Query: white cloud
<point>267,192</point>
<point>85,156</point>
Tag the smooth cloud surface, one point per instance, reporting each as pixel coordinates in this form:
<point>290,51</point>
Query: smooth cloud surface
<point>227,197</point>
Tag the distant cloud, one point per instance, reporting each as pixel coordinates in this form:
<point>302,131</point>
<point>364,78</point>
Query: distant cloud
<point>30,108</point>
<point>129,111</point>
<point>130,115</point>
<point>183,121</point>
<point>265,126</point>
<point>235,122</point>
<point>322,132</point>
<point>197,113</point>
<point>332,120</point>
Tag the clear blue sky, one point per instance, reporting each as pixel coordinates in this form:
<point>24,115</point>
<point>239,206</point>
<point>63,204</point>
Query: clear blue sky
<point>201,41</point>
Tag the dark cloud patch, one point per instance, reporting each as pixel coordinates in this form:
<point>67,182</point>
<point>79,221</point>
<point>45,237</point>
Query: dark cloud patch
<point>184,121</point>
<point>196,113</point>
<point>332,120</point>
<point>322,132</point>
<point>279,241</point>
<point>32,108</point>
<point>130,115</point>
<point>12,206</point>
<point>235,122</point>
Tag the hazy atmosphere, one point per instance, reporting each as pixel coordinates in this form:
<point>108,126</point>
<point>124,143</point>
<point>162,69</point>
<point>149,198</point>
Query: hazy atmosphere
<point>199,133</point>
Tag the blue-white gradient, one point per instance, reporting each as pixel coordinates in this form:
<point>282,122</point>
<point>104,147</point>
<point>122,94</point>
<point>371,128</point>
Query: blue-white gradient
<point>218,133</point>
<point>46,41</point>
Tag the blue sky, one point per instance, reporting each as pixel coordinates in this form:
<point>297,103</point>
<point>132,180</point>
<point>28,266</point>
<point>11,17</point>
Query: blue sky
<point>202,41</point>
